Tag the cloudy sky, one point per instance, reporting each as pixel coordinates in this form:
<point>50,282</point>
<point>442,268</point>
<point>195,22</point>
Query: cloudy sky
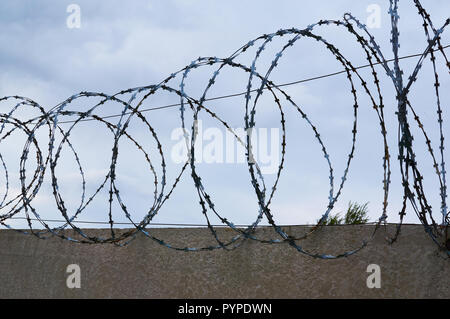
<point>121,45</point>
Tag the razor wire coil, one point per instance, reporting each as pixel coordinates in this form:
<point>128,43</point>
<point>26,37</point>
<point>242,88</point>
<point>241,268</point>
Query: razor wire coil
<point>412,178</point>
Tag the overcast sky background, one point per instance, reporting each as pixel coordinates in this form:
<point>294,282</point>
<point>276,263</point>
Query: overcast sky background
<point>128,44</point>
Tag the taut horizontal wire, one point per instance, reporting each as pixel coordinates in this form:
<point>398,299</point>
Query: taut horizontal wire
<point>179,224</point>
<point>254,90</point>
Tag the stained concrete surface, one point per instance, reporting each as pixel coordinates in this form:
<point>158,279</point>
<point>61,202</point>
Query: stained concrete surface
<point>411,268</point>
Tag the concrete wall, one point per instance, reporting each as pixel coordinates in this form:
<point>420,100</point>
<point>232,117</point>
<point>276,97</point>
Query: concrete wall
<point>411,268</point>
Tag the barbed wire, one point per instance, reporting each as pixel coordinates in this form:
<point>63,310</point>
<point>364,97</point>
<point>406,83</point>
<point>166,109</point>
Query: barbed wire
<point>258,83</point>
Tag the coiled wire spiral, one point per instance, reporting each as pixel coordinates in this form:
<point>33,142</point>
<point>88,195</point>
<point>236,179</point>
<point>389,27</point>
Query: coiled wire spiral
<point>410,173</point>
